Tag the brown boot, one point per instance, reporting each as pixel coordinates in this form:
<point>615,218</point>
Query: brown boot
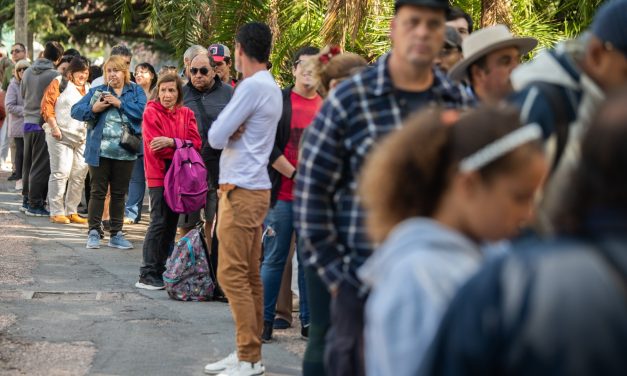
<point>75,218</point>
<point>61,219</point>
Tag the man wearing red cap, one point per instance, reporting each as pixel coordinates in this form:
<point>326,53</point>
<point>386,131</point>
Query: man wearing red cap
<point>222,56</point>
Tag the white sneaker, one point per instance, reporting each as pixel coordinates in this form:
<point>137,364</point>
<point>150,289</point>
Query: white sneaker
<point>245,369</point>
<point>18,185</point>
<point>221,365</point>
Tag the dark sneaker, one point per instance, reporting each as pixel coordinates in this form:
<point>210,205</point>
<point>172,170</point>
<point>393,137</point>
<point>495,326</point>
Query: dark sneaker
<point>266,335</point>
<point>93,239</point>
<point>304,332</point>
<point>281,324</point>
<point>13,177</point>
<point>148,282</point>
<point>218,295</point>
<point>119,241</point>
<point>37,211</point>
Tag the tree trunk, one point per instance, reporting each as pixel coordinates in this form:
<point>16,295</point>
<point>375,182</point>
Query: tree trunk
<point>21,25</point>
<point>495,12</point>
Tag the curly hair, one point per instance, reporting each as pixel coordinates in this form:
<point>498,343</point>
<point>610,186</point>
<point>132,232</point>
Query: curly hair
<point>407,174</point>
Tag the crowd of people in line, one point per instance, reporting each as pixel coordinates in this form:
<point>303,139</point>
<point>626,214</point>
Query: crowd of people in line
<point>453,210</point>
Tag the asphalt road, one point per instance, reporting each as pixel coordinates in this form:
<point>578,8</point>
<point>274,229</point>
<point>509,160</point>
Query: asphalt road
<point>67,310</point>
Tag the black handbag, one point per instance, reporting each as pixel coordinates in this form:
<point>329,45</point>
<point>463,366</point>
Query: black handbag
<point>129,140</point>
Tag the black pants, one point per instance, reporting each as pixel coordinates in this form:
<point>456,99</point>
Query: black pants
<point>344,352</point>
<point>36,168</point>
<point>160,235</point>
<point>116,174</point>
<point>19,156</point>
<point>319,300</point>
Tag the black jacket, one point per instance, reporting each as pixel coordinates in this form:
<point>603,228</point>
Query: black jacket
<point>280,142</point>
<point>213,101</point>
<point>551,308</point>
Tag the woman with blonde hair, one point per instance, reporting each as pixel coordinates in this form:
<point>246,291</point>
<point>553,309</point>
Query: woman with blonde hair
<point>14,104</point>
<point>114,113</point>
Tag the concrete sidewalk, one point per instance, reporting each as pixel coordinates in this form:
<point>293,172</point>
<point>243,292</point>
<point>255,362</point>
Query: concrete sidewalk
<point>67,310</point>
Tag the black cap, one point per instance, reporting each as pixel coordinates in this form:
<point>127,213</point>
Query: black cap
<point>440,4</point>
<point>452,38</point>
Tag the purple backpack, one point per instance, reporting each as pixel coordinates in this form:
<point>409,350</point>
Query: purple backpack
<point>187,275</point>
<point>185,185</point>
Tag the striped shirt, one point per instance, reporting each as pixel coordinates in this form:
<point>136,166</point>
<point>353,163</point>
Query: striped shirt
<point>328,213</point>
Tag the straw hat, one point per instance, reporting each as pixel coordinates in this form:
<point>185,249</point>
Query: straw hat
<point>484,41</point>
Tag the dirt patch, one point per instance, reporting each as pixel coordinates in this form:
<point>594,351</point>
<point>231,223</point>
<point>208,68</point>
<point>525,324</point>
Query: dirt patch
<point>6,321</point>
<point>290,338</point>
<point>19,357</point>
<point>16,253</point>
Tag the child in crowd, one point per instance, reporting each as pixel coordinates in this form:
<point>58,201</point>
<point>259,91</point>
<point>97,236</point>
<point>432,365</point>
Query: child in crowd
<point>556,306</point>
<point>435,191</point>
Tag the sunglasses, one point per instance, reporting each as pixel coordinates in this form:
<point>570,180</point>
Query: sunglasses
<point>20,70</point>
<point>16,51</point>
<point>204,71</point>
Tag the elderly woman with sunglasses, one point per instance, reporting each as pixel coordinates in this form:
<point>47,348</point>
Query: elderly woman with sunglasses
<point>14,104</point>
<point>112,110</point>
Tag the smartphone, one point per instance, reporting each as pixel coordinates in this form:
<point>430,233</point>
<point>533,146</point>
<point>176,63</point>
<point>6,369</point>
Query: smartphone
<point>103,94</point>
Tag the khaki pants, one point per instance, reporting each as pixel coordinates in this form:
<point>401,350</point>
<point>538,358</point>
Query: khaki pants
<point>240,217</point>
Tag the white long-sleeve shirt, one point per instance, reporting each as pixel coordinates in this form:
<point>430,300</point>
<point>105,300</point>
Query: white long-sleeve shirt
<point>257,103</point>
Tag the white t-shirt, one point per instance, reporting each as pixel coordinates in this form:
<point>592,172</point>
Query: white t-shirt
<point>257,103</point>
<point>98,81</point>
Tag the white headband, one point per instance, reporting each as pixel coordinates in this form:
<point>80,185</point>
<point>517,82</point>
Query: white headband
<point>500,147</point>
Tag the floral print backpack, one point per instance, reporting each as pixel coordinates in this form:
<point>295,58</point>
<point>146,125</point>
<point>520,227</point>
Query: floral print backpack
<point>187,275</point>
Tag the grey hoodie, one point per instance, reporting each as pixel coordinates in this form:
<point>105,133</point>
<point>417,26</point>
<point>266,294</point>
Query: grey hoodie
<point>34,83</point>
<point>412,276</point>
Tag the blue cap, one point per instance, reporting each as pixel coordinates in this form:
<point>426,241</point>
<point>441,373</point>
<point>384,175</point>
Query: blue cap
<point>610,24</point>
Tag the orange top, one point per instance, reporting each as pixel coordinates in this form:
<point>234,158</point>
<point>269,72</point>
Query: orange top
<point>49,99</point>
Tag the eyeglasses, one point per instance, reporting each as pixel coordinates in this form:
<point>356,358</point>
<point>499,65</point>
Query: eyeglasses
<point>204,71</point>
<point>16,51</point>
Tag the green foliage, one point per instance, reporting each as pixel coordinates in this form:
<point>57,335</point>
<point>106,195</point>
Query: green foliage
<point>360,26</point>
<point>547,20</point>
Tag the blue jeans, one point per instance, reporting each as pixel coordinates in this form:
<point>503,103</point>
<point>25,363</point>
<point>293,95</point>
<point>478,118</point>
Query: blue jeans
<point>136,191</point>
<point>279,227</point>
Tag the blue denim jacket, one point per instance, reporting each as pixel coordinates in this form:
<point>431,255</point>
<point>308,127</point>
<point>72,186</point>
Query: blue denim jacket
<point>133,101</point>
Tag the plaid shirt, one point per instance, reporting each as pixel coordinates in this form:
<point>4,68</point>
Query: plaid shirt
<point>328,213</point>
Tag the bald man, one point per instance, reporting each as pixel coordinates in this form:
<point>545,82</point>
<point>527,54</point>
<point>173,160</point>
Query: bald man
<point>206,95</point>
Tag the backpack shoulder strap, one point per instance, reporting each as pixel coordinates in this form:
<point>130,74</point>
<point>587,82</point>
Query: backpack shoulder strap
<point>560,117</point>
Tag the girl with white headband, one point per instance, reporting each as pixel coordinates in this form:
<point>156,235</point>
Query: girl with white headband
<point>435,191</point>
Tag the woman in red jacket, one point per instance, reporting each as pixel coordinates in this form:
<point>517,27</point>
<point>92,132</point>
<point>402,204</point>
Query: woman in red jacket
<point>165,119</point>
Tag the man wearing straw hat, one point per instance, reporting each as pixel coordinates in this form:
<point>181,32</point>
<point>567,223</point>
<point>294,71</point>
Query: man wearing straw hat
<point>490,56</point>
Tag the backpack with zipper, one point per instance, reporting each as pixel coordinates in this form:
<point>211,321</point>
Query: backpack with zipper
<point>185,183</point>
<point>188,271</point>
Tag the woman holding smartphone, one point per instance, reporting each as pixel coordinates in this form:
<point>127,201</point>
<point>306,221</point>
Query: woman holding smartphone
<point>108,109</point>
